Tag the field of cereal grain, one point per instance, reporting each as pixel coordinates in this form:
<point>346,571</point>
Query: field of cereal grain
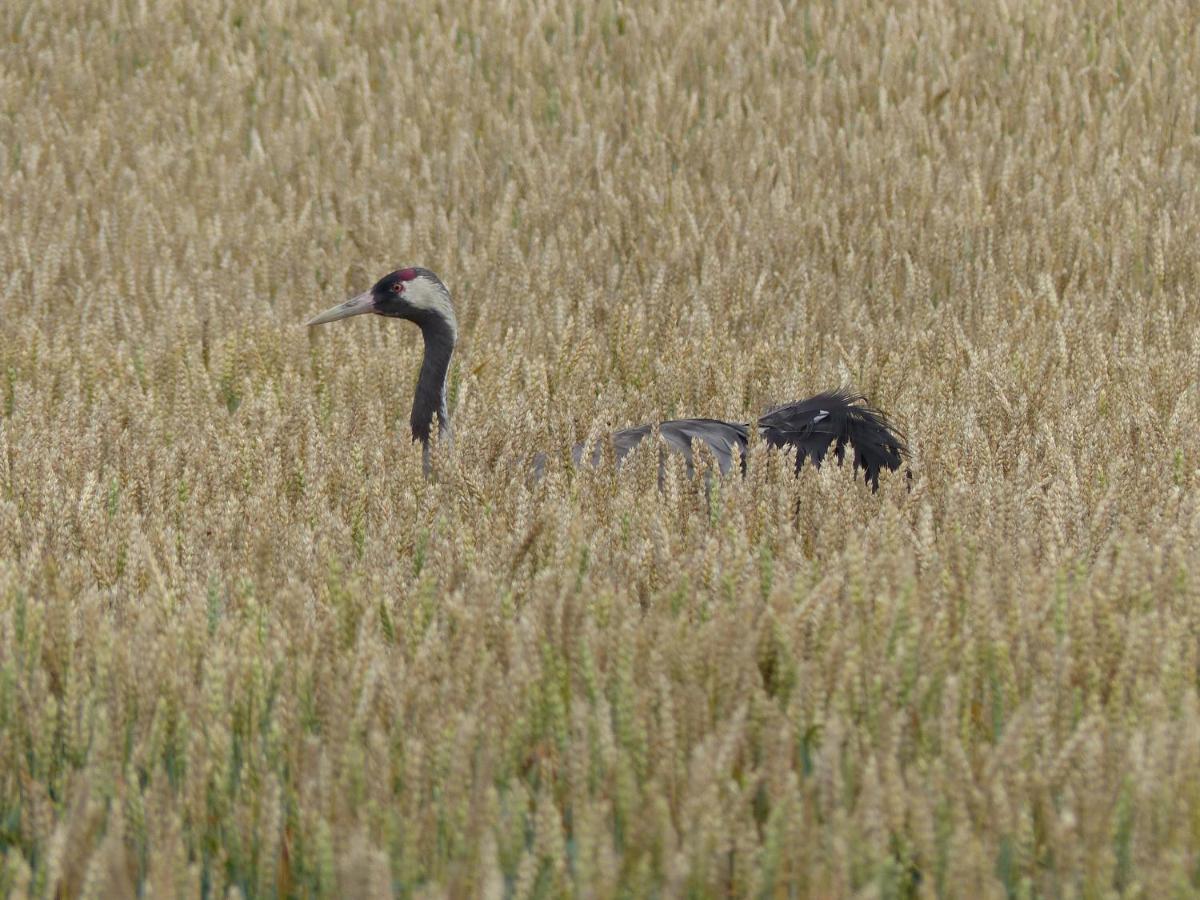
<point>247,650</point>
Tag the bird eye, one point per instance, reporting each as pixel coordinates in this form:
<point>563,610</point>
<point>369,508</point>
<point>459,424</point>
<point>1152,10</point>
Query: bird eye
<point>398,287</point>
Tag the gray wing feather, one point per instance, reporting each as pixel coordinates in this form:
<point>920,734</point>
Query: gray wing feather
<point>720,437</point>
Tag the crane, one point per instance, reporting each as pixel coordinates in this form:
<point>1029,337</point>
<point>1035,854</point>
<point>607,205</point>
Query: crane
<point>834,418</point>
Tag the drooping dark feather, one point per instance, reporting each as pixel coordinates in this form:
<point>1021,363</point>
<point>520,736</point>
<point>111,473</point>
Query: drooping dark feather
<point>836,418</point>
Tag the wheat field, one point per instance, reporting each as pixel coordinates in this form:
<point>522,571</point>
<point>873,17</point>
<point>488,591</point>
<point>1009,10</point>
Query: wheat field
<point>247,650</point>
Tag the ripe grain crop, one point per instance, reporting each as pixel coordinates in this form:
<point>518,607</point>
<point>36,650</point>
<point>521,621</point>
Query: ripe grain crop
<point>246,649</point>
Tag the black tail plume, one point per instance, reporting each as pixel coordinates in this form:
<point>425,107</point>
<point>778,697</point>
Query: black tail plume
<point>838,417</point>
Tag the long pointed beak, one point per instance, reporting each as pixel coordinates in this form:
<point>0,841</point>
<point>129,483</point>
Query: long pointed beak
<point>355,306</point>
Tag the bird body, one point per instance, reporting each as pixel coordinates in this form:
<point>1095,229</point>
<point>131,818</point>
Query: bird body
<point>834,418</point>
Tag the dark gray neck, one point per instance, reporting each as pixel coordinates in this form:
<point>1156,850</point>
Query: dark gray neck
<point>430,397</point>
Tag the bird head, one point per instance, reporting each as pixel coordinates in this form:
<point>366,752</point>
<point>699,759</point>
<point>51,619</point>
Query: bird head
<point>415,294</point>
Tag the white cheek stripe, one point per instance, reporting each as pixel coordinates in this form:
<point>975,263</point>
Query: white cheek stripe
<point>424,295</point>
